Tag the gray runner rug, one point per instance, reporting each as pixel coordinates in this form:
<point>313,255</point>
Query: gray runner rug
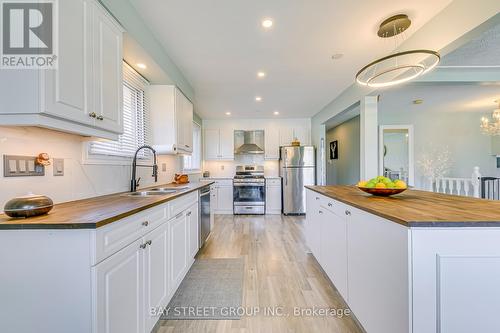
<point>212,289</point>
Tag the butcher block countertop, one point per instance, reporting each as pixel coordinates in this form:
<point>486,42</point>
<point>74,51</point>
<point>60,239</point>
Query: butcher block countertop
<point>414,208</point>
<point>95,212</point>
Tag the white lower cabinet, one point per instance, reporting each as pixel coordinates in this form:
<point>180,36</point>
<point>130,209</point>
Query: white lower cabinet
<point>273,196</point>
<point>178,249</point>
<point>366,258</point>
<point>192,224</point>
<point>333,247</point>
<point>156,273</point>
<point>119,291</point>
<point>221,199</point>
<point>144,275</point>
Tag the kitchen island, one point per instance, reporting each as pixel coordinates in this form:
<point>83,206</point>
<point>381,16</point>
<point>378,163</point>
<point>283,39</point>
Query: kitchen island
<point>417,262</point>
<point>99,264</point>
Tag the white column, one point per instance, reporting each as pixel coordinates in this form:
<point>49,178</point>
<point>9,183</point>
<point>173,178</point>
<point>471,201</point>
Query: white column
<point>368,137</point>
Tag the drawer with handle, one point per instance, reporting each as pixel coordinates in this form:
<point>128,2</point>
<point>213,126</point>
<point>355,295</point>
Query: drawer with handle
<point>113,237</point>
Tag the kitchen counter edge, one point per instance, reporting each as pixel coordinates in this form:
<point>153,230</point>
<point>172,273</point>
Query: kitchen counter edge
<point>43,221</point>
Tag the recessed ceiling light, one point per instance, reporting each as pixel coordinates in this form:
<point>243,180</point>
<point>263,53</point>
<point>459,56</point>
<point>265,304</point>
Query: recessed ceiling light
<point>276,113</point>
<point>141,66</point>
<point>337,56</point>
<point>261,74</point>
<point>267,23</point>
<point>258,98</point>
<point>418,101</point>
<point>228,113</point>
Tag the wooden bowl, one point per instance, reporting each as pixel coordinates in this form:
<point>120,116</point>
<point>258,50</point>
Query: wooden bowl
<point>382,192</point>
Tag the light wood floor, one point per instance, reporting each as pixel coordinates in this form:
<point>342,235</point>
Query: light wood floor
<point>279,272</point>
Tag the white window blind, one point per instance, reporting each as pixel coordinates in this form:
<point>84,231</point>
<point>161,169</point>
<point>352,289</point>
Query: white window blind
<point>193,162</point>
<point>135,120</point>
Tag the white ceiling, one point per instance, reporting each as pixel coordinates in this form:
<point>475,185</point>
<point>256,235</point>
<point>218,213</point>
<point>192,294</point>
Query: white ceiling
<point>220,46</point>
<point>483,50</point>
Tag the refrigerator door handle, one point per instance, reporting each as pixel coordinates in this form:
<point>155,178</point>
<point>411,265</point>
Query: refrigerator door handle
<point>286,177</point>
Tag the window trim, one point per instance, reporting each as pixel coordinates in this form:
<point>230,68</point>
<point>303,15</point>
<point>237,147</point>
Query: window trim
<point>195,171</point>
<point>98,159</point>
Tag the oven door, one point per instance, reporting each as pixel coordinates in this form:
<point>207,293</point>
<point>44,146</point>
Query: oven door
<point>249,194</point>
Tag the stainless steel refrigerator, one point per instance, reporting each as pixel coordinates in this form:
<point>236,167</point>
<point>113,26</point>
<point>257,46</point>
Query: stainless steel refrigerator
<point>297,169</point>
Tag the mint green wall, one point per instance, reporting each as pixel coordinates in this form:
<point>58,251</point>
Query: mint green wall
<point>128,17</point>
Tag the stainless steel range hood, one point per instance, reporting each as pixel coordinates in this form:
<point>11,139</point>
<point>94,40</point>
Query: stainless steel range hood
<point>249,142</point>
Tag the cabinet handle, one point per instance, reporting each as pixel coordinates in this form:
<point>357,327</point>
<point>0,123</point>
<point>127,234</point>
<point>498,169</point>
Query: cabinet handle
<point>100,118</point>
<point>92,115</point>
<point>143,246</point>
<point>348,213</point>
<point>149,242</point>
<point>145,223</point>
<point>321,212</point>
<point>317,198</point>
<point>189,213</point>
<point>330,204</point>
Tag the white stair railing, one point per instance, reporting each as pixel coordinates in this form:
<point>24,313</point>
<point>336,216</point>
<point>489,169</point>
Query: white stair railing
<point>469,187</point>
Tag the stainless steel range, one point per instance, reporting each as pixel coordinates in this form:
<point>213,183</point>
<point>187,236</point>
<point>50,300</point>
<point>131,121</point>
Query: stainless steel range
<point>249,193</point>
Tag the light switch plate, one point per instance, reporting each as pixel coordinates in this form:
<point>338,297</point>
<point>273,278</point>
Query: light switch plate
<point>21,166</point>
<point>58,166</point>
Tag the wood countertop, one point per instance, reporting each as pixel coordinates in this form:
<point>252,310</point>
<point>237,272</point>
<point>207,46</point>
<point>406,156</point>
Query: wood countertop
<point>414,208</point>
<point>95,212</point>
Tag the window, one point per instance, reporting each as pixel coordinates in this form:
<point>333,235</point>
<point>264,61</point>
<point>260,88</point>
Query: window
<point>135,124</point>
<point>192,164</point>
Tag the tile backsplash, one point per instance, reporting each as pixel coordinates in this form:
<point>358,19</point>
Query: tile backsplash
<point>79,180</point>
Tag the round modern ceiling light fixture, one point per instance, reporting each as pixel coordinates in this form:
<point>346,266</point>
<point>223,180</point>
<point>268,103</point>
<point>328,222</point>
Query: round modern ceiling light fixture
<point>398,67</point>
<point>267,23</point>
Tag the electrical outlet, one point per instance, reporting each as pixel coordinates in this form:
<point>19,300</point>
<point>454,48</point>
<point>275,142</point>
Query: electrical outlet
<point>222,167</point>
<point>164,167</point>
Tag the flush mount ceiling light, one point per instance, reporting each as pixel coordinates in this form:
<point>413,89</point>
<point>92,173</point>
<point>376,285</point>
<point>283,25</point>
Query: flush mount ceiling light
<point>228,113</point>
<point>141,66</point>
<point>267,23</point>
<point>261,74</point>
<point>276,113</point>
<point>398,67</point>
<point>258,98</point>
<point>492,127</point>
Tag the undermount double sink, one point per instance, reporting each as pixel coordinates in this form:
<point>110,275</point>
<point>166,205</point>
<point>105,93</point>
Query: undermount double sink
<point>157,191</point>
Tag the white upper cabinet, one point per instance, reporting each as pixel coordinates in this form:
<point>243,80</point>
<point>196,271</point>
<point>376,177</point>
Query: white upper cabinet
<point>108,71</point>
<point>219,144</point>
<point>171,119</point>
<point>83,96</point>
<point>272,144</point>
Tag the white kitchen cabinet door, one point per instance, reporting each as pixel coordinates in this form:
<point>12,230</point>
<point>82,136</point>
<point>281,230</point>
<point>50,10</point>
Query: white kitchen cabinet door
<point>68,89</point>
<point>272,144</point>
<point>301,134</point>
<point>119,291</point>
<point>192,225</point>
<point>334,249</point>
<point>184,121</point>
<point>313,224</point>
<point>178,250</point>
<point>156,269</point>
<point>225,199</point>
<point>226,144</point>
<point>286,136</point>
<point>108,76</point>
<point>273,199</point>
<point>378,272</point>
<point>212,146</point>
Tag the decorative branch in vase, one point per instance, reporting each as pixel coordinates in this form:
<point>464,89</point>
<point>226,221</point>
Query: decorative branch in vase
<point>434,162</point>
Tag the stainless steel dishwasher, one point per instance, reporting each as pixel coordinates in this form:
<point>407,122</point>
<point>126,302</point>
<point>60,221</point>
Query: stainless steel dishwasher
<point>204,224</point>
